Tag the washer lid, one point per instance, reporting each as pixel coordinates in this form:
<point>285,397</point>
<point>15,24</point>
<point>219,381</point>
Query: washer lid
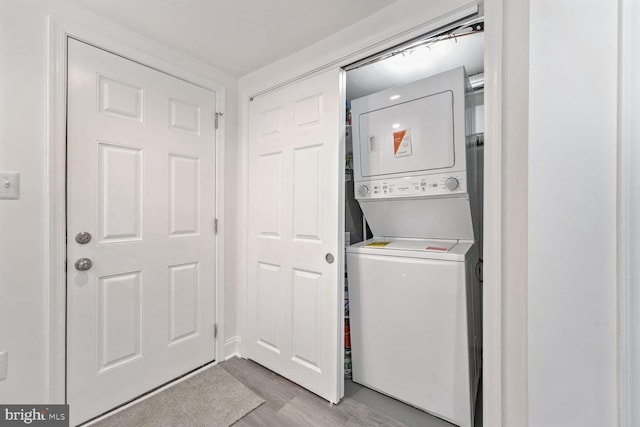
<point>440,246</point>
<point>439,218</point>
<point>418,248</point>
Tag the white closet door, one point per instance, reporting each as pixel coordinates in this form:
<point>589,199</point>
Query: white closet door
<point>295,288</point>
<point>141,181</point>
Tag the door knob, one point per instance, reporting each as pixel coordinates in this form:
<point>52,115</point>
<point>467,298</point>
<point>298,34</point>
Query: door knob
<point>83,264</point>
<point>329,258</point>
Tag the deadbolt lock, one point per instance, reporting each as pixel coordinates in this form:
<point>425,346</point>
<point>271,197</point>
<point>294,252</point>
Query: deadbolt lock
<point>83,238</point>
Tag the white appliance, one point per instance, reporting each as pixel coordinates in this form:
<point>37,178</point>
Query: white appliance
<point>415,298</point>
<point>414,173</point>
<point>413,312</point>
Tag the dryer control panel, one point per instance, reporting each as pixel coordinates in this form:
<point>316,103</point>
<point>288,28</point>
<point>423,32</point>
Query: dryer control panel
<point>412,186</point>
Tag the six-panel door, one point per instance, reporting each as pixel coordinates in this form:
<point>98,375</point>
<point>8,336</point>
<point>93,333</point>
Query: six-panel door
<point>294,285</point>
<point>141,181</point>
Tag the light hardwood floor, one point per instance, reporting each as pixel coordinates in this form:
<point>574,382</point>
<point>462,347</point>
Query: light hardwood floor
<point>287,404</point>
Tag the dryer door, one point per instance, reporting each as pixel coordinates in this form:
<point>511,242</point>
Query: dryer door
<point>409,137</point>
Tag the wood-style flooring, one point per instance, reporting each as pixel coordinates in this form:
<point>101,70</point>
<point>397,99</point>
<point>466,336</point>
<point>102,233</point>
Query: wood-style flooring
<point>287,404</point>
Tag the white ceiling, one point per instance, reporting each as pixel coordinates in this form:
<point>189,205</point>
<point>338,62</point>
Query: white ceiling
<point>421,62</point>
<point>237,36</point>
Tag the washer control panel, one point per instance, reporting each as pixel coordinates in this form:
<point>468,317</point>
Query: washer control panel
<point>415,186</point>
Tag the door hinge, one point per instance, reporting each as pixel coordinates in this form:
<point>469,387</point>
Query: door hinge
<point>215,330</point>
<point>217,118</point>
<point>215,225</point>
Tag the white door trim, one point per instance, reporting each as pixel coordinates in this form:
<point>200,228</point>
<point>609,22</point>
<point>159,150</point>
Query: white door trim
<point>492,322</point>
<point>627,202</point>
<point>59,31</point>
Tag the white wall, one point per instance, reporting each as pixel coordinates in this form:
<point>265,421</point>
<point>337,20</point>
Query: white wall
<point>572,213</point>
<point>23,147</point>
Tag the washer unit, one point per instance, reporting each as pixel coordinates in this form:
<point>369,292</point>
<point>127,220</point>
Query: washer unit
<point>415,299</point>
<point>413,323</point>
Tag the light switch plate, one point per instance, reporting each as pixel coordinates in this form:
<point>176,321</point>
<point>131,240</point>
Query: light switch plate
<point>4,356</point>
<point>9,185</point>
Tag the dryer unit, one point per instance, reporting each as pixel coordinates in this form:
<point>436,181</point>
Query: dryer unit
<point>415,297</point>
<point>414,172</point>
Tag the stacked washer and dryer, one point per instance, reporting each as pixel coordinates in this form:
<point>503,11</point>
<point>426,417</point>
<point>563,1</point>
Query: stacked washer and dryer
<point>415,296</point>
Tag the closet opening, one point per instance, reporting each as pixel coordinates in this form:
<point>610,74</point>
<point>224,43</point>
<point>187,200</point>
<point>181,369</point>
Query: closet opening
<point>414,141</point>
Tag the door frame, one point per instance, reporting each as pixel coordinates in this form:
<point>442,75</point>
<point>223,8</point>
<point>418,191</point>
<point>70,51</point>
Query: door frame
<point>493,322</point>
<point>55,244</point>
<point>628,284</point>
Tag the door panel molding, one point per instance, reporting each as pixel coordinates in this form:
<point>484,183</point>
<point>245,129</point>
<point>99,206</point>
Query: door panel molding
<point>146,53</point>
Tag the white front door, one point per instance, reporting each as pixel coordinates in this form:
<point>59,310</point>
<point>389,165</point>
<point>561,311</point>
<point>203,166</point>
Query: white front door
<point>294,278</point>
<point>141,182</point>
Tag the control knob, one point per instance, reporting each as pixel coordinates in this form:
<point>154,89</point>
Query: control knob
<point>363,190</point>
<point>451,183</point>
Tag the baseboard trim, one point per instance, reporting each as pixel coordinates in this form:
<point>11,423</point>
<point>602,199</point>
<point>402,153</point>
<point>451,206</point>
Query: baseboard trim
<point>232,347</point>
